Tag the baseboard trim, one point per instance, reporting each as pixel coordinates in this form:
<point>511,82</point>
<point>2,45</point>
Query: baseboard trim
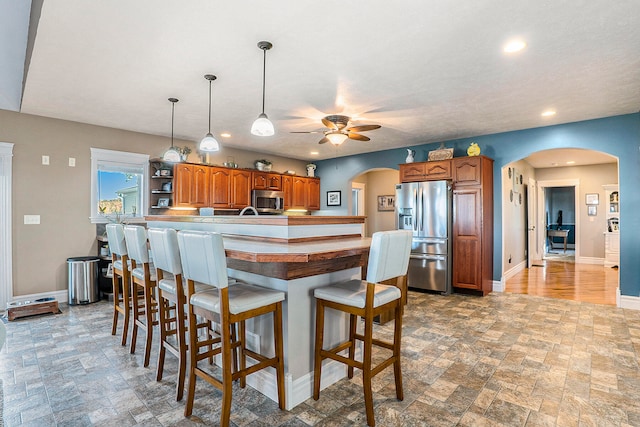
<point>514,270</point>
<point>60,296</point>
<point>627,301</point>
<point>499,285</point>
<point>590,260</point>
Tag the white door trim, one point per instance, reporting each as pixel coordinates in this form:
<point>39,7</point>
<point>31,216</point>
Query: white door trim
<point>6,266</point>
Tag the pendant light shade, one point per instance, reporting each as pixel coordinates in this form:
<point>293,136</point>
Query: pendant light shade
<point>172,154</point>
<point>336,138</point>
<point>262,126</point>
<point>209,143</point>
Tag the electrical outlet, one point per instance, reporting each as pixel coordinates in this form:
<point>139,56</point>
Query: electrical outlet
<point>45,160</point>
<point>32,219</point>
<point>72,162</point>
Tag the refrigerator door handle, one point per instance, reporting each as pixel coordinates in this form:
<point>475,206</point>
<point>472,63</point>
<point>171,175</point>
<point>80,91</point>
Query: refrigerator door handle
<point>421,210</point>
<point>415,211</point>
<point>428,256</point>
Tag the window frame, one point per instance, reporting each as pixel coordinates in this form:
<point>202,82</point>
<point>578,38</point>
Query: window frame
<point>125,159</point>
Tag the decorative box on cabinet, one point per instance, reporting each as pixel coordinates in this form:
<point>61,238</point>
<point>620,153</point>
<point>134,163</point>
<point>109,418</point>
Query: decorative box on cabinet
<point>473,223</point>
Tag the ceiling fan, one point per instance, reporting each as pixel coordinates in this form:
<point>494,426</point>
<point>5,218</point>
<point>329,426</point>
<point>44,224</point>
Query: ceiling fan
<point>338,131</point>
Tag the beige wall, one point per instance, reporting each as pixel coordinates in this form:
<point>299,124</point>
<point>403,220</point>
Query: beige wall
<point>61,195</point>
<point>592,178</point>
<point>378,183</point>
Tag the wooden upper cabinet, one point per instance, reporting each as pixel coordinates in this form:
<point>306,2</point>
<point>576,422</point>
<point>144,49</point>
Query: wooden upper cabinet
<point>299,193</point>
<point>191,185</point>
<point>267,181</point>
<point>467,170</point>
<point>313,194</point>
<point>220,188</point>
<point>287,188</point>
<point>425,171</point>
<point>240,188</point>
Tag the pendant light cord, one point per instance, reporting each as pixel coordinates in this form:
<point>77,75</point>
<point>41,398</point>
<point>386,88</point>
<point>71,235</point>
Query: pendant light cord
<point>173,107</point>
<point>264,73</point>
<point>209,106</point>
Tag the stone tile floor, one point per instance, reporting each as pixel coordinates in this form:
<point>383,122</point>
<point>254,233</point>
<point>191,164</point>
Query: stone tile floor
<point>501,360</point>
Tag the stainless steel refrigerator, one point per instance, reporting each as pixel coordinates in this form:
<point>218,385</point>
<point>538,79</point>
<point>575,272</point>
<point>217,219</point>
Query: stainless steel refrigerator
<point>425,208</point>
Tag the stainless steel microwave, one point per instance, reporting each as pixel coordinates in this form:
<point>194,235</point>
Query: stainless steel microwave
<point>267,201</point>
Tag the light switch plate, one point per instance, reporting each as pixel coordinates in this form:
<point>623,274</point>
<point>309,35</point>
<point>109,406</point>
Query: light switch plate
<point>45,160</point>
<point>72,162</point>
<point>32,219</point>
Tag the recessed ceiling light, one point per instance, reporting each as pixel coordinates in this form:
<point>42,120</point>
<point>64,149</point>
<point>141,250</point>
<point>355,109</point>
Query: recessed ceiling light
<point>514,46</point>
<point>314,153</point>
<point>225,135</point>
<point>548,113</point>
<point>571,162</point>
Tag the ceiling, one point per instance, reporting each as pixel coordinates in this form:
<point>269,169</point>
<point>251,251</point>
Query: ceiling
<point>567,157</point>
<point>426,71</point>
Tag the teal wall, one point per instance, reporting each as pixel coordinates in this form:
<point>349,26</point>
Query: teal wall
<point>618,136</point>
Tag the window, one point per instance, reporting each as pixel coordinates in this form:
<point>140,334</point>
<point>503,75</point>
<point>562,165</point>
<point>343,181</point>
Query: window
<point>118,185</point>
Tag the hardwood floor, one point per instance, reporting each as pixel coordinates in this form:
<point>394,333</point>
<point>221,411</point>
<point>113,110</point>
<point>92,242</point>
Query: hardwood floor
<point>566,280</point>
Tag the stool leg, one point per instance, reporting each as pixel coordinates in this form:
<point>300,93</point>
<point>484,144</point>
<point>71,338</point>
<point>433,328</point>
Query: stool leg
<point>243,357</point>
<point>136,316</point>
<point>163,315</point>
<point>366,369</point>
<point>148,312</point>
<point>353,324</point>
<point>116,297</point>
<point>317,368</point>
<point>126,304</point>
<point>397,335</point>
<point>193,361</point>
<point>277,334</point>
<point>227,379</point>
<point>182,347</point>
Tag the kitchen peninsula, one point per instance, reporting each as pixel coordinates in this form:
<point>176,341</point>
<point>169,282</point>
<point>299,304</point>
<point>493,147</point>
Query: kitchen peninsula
<point>293,254</point>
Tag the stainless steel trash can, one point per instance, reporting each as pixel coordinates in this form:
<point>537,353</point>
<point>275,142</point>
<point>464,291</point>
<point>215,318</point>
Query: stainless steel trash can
<point>83,279</point>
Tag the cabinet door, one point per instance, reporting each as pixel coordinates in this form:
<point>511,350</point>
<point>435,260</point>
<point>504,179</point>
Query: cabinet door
<point>287,188</point>
<point>240,189</point>
<point>191,185</point>
<point>412,172</point>
<point>313,194</point>
<point>467,238</point>
<point>259,180</point>
<point>274,181</point>
<point>437,170</point>
<point>220,187</point>
<point>200,188</point>
<point>467,171</point>
<point>299,194</point>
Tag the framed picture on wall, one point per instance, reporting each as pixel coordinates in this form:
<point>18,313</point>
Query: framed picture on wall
<point>386,203</point>
<point>592,210</point>
<point>333,198</point>
<point>592,199</point>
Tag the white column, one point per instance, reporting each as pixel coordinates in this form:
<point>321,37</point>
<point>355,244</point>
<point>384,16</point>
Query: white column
<point>6,276</point>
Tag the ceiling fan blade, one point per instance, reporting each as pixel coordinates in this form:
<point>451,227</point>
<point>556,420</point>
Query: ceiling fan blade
<point>363,128</point>
<point>358,137</point>
<point>309,131</point>
<point>323,140</point>
<point>329,124</point>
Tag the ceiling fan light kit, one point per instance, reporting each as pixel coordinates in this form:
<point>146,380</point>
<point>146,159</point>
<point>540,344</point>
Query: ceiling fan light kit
<point>172,154</point>
<point>209,143</point>
<point>338,131</point>
<point>262,126</point>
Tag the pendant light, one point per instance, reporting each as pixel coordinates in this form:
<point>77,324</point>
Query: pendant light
<point>172,154</point>
<point>209,143</point>
<point>262,126</point>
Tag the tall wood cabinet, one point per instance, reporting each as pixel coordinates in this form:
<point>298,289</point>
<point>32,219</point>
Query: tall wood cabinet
<point>473,223</point>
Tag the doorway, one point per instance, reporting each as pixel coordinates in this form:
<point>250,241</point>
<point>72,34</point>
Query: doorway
<point>6,277</point>
<point>560,221</point>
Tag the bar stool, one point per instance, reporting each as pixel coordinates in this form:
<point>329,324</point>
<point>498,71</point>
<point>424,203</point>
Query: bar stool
<point>172,298</point>
<point>388,263</point>
<point>143,279</point>
<point>204,261</point>
<point>121,278</point>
